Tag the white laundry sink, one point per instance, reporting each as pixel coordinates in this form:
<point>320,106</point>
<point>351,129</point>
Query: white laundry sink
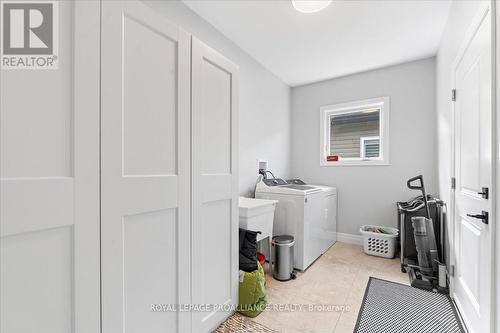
<point>257,215</point>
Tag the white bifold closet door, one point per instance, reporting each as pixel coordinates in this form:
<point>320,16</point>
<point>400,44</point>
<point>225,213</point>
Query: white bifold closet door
<point>49,198</point>
<point>214,185</point>
<point>145,175</point>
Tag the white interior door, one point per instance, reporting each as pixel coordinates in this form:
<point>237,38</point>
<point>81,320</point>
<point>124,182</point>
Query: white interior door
<point>472,249</point>
<point>49,189</point>
<point>215,185</point>
<point>145,170</point>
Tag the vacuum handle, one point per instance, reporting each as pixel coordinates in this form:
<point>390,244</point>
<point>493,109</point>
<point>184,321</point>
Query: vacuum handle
<point>419,187</point>
<point>415,187</point>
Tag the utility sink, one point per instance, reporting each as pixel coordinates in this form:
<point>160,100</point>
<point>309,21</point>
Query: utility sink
<point>257,215</point>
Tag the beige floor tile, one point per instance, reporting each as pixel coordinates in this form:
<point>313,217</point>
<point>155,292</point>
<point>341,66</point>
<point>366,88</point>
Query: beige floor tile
<point>339,277</point>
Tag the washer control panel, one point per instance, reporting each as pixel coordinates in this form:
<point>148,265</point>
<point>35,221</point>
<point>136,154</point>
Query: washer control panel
<point>275,182</point>
<point>296,181</point>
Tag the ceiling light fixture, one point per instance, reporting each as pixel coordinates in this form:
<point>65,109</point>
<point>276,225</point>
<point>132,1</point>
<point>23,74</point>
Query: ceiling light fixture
<point>310,6</point>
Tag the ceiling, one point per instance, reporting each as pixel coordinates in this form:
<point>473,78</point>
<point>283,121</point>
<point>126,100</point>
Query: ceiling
<point>347,37</point>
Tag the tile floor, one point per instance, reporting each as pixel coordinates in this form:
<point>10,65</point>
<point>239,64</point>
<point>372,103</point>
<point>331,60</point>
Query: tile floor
<point>339,277</point>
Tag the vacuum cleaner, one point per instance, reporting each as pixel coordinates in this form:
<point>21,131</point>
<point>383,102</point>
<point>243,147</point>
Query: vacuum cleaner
<point>425,273</point>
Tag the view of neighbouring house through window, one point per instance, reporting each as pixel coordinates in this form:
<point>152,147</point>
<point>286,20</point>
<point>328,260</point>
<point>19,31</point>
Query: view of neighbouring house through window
<point>355,134</point>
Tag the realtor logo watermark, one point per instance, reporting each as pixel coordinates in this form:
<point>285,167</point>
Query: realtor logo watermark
<point>29,33</point>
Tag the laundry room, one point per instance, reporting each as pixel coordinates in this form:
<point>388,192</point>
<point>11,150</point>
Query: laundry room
<point>230,166</point>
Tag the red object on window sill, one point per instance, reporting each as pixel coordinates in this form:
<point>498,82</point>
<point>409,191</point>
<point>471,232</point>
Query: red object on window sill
<point>332,158</point>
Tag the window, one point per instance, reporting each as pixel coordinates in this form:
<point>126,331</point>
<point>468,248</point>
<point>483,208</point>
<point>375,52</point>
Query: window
<point>355,133</point>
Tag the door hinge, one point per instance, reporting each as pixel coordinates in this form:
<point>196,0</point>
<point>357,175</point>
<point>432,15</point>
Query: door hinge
<point>453,95</point>
<point>452,270</point>
<point>453,183</point>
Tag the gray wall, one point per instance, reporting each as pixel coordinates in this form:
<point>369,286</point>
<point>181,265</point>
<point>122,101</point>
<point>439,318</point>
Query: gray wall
<point>367,194</point>
<point>264,100</point>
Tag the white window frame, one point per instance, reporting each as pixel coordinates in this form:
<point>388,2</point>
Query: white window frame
<point>381,103</point>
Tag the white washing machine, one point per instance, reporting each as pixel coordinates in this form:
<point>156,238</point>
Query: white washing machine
<point>299,212</point>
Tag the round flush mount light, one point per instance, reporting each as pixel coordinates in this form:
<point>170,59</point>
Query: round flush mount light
<point>310,6</point>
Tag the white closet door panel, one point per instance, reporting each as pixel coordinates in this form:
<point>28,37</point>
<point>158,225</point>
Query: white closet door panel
<point>44,211</point>
<point>145,170</point>
<point>149,99</point>
<point>37,264</point>
<point>214,189</point>
<point>49,187</point>
<point>147,280</point>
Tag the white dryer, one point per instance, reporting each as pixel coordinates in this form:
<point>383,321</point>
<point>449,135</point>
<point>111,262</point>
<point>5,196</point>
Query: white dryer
<point>299,212</point>
<point>328,235</point>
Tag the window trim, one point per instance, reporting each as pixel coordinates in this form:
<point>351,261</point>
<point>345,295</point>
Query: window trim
<point>381,103</point>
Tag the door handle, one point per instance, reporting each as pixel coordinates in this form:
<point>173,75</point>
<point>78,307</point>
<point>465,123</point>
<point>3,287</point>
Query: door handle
<point>484,193</point>
<point>483,216</point>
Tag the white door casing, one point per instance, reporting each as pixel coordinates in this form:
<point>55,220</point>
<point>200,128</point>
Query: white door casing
<point>145,170</point>
<point>472,248</point>
<point>496,70</point>
<point>49,187</point>
<point>214,184</point>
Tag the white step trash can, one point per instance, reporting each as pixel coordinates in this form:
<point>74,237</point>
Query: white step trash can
<point>381,244</point>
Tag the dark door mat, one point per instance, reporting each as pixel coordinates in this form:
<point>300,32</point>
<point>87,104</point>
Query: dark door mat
<point>393,307</point>
<point>240,324</point>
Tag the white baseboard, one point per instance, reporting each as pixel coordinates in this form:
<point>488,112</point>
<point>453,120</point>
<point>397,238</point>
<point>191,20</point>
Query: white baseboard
<point>349,238</point>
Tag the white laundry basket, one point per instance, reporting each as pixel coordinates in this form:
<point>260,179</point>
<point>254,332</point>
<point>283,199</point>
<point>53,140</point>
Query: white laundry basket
<point>379,244</point>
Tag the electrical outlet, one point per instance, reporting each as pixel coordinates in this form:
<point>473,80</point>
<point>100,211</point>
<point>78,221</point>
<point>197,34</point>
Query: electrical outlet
<point>262,164</point>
